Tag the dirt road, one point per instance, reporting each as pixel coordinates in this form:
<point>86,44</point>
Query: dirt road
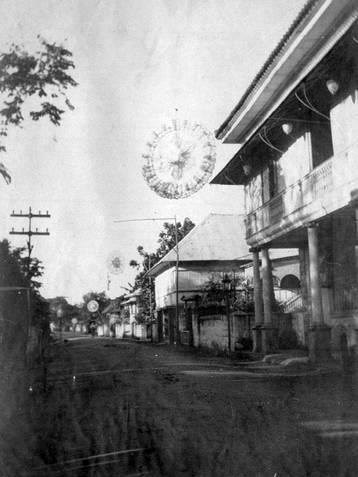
<point>112,408</point>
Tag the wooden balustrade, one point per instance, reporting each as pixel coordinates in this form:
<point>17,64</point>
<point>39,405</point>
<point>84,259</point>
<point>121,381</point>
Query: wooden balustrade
<point>310,188</point>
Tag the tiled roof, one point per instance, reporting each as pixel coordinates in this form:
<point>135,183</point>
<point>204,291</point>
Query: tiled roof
<point>219,238</point>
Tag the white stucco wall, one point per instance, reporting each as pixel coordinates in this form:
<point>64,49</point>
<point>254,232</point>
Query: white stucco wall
<point>213,333</point>
<point>190,282</point>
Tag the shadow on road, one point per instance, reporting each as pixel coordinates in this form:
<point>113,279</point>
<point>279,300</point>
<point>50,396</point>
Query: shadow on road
<point>128,409</point>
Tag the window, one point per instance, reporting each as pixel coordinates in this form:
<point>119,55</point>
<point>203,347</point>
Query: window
<point>290,282</point>
<point>253,194</point>
<point>269,186</point>
<point>321,138</point>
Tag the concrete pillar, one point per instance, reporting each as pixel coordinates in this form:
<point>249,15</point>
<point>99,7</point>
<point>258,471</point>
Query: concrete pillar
<point>316,296</point>
<point>319,333</point>
<point>355,205</point>
<point>302,253</point>
<point>267,286</point>
<point>268,331</point>
<point>304,280</point>
<point>256,329</point>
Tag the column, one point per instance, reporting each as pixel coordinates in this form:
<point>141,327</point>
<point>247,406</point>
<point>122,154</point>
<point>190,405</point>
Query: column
<point>316,296</point>
<point>269,332</point>
<point>256,329</point>
<point>304,279</point>
<point>319,333</point>
<point>267,286</point>
<point>355,206</point>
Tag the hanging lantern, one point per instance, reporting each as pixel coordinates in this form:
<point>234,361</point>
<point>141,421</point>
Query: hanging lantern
<point>332,86</point>
<point>247,169</point>
<point>287,128</point>
<point>180,159</point>
<point>115,263</point>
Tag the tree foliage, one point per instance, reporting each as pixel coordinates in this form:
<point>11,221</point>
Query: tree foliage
<point>166,241</point>
<point>100,297</point>
<point>15,269</point>
<point>14,272</point>
<point>239,294</point>
<point>34,86</point>
<point>67,311</point>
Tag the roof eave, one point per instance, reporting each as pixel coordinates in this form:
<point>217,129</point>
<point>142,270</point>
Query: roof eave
<point>231,174</point>
<point>159,268</point>
<point>292,63</point>
<point>236,262</point>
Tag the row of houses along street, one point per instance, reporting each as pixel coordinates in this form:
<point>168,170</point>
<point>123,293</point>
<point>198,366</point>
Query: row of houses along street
<point>296,127</point>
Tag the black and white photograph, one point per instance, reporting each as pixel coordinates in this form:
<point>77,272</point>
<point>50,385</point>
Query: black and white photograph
<point>179,238</point>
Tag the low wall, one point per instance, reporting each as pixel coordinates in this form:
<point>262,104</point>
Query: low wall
<point>140,331</point>
<point>81,328</point>
<point>103,330</point>
<point>119,330</point>
<point>214,332</point>
<point>127,330</point>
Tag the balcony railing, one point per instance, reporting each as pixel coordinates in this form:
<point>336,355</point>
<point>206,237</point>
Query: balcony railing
<point>310,188</point>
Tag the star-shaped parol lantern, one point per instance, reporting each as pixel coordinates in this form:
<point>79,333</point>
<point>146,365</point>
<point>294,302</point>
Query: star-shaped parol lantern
<point>115,263</point>
<point>180,159</point>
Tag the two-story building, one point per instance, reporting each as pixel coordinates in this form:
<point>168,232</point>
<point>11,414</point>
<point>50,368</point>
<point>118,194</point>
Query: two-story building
<point>131,322</point>
<point>297,130</point>
<point>213,248</point>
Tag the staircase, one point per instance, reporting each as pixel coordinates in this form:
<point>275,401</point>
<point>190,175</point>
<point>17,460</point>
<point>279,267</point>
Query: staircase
<point>293,304</point>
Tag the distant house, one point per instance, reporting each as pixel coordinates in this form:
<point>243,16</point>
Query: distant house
<point>131,317</point>
<point>212,249</point>
<point>112,317</point>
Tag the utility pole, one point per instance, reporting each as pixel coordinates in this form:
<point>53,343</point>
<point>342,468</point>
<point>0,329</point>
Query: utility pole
<point>176,282</point>
<point>29,233</point>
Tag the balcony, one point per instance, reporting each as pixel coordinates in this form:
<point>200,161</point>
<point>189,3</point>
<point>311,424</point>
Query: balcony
<point>300,201</point>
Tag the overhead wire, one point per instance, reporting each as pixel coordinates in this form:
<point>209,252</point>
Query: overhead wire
<point>229,180</point>
<point>268,142</point>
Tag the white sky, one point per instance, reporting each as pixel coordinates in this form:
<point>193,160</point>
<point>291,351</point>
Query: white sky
<point>136,62</point>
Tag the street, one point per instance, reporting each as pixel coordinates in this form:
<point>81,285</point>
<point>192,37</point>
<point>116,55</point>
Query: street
<point>117,408</point>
